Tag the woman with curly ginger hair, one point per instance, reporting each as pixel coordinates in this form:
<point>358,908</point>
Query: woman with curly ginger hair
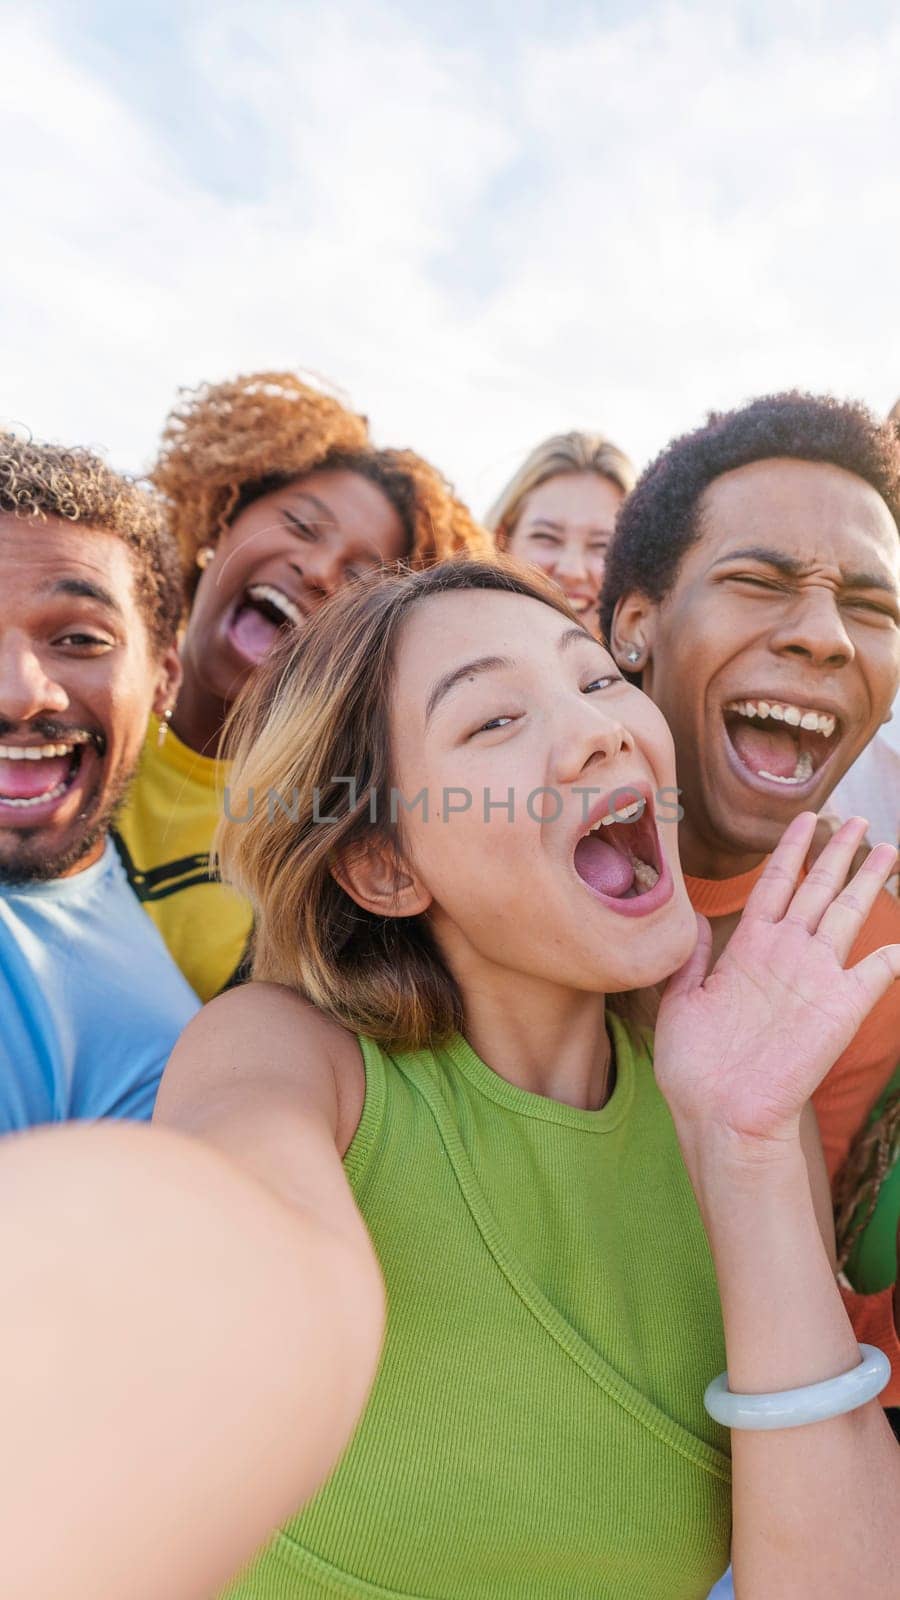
<point>278,498</point>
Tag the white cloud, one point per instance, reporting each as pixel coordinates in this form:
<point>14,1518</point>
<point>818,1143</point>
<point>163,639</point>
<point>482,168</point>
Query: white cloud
<point>618,226</point>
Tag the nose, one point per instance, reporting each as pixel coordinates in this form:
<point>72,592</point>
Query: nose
<point>26,689</point>
<point>322,571</point>
<point>589,740</point>
<point>570,562</point>
<point>812,629</point>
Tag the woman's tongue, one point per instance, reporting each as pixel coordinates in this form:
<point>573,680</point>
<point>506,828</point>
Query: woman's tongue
<point>602,867</point>
<point>772,749</point>
<point>25,780</point>
<point>253,634</point>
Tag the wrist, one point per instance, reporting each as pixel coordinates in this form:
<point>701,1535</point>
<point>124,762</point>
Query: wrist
<point>725,1164</point>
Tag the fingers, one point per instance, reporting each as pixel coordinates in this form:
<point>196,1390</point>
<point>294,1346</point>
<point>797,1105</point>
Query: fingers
<point>842,921</point>
<point>826,828</point>
<point>691,975</point>
<point>828,877</point>
<point>875,974</point>
<point>772,895</point>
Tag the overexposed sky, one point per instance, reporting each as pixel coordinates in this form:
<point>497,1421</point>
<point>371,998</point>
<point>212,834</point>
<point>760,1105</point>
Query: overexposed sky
<point>484,222</point>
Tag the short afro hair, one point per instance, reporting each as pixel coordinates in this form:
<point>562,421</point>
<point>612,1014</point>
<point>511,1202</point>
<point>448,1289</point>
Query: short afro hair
<point>660,519</point>
<point>225,445</point>
<point>38,481</point>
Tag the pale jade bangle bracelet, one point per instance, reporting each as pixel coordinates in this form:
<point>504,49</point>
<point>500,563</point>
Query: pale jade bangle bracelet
<point>794,1407</point>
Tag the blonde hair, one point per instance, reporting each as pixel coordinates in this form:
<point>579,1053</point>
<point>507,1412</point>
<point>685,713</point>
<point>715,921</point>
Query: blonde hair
<point>894,413</point>
<point>315,714</point>
<point>226,444</point>
<point>561,454</point>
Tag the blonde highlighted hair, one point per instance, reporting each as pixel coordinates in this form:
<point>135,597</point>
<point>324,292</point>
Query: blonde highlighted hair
<point>562,453</point>
<point>226,444</point>
<point>314,716</point>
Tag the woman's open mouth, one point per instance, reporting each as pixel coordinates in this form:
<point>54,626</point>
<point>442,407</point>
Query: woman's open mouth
<point>780,744</point>
<point>620,856</point>
<point>260,617</point>
<point>35,778</point>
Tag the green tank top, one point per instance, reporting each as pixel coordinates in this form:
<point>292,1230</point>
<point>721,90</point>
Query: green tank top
<point>536,1430</point>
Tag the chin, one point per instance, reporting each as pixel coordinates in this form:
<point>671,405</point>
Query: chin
<point>664,950</point>
<point>749,832</point>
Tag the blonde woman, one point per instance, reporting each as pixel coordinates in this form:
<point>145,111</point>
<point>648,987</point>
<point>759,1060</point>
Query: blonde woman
<point>559,510</point>
<point>449,810</point>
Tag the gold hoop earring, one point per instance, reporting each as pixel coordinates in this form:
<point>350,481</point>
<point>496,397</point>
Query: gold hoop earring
<point>205,555</point>
<point>164,721</point>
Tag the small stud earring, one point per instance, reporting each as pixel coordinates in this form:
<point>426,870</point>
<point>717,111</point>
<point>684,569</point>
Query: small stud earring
<point>164,721</point>
<point>633,654</point>
<point>205,555</point>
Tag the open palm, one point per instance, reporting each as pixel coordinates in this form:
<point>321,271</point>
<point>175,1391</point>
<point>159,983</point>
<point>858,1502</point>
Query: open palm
<point>745,1045</point>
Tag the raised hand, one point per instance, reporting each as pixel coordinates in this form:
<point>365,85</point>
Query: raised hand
<point>743,1047</point>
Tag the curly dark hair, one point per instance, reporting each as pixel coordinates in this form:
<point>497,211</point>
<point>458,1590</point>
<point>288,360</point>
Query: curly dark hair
<point>225,445</point>
<point>38,481</point>
<point>660,519</point>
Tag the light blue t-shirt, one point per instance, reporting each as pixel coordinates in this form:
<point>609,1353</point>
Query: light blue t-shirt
<point>91,1002</point>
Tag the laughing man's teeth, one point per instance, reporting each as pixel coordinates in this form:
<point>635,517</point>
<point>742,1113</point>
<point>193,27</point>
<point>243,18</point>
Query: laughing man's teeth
<point>781,711</point>
<point>35,800</point>
<point>274,597</point>
<point>803,771</point>
<point>34,752</point>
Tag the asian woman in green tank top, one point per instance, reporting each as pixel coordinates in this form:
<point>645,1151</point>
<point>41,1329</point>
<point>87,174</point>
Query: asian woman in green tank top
<point>455,821</point>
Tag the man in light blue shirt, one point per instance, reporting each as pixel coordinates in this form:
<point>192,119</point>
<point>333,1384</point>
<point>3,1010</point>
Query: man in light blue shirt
<point>90,600</point>
<point>91,1002</point>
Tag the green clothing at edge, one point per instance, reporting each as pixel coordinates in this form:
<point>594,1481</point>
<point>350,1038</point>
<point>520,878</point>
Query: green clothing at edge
<point>536,1430</point>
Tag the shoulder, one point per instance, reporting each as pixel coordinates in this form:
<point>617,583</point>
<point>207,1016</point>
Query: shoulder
<point>266,1037</point>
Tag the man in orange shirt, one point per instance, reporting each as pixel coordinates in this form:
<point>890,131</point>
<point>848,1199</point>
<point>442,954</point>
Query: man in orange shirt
<point>753,590</point>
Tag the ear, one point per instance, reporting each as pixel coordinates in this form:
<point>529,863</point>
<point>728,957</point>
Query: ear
<point>633,633</point>
<point>373,874</point>
<point>168,680</point>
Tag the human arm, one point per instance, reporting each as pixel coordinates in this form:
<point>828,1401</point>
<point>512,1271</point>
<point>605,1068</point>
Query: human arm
<point>175,1389</point>
<point>739,1052</point>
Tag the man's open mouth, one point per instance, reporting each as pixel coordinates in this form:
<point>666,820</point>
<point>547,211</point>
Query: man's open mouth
<point>36,775</point>
<point>260,617</point>
<point>781,741</point>
<point>619,856</point>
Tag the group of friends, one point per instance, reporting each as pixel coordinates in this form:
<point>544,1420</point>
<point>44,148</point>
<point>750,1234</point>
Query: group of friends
<point>497,923</point>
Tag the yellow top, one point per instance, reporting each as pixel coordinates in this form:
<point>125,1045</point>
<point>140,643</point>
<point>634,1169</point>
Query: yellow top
<point>163,835</point>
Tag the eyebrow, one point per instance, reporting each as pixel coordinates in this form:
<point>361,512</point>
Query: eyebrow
<point>559,527</point>
<point>792,567</point>
<point>84,589</point>
<point>491,664</point>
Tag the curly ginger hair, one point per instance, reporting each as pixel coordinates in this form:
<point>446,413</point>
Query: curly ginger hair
<point>226,444</point>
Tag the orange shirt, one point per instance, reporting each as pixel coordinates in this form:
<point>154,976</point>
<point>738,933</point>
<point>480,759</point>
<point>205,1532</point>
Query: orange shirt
<point>845,1097</point>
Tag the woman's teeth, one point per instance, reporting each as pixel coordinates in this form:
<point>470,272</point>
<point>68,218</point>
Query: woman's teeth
<point>782,711</point>
<point>644,874</point>
<point>626,814</point>
<point>269,595</point>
